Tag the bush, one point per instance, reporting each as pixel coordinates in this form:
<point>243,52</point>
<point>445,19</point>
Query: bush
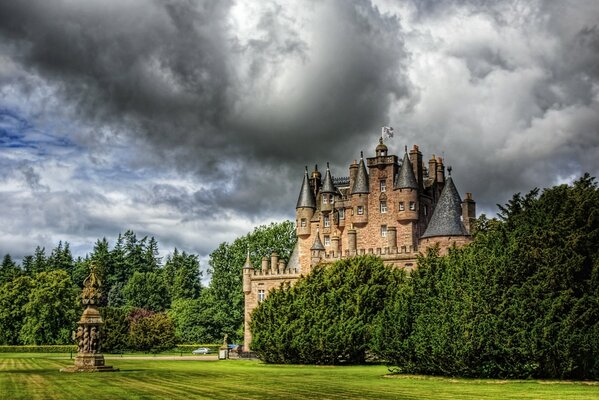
<point>154,333</point>
<point>326,318</point>
<point>39,349</point>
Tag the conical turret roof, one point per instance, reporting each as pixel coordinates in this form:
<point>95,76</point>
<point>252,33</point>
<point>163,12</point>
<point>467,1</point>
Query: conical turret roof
<point>446,219</point>
<point>361,182</point>
<point>306,197</point>
<point>406,178</point>
<point>248,263</point>
<point>327,186</point>
<point>317,243</point>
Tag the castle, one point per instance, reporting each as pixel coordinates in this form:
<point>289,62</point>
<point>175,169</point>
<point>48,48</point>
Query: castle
<point>384,207</point>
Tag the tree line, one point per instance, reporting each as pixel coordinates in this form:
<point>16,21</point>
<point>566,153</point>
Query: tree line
<point>522,300</point>
<point>148,303</point>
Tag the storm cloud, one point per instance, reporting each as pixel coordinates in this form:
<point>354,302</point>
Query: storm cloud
<point>192,120</point>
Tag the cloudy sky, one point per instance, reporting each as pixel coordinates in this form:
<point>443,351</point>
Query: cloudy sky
<point>192,120</point>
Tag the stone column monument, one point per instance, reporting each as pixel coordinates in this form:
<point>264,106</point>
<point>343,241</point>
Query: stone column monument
<point>89,356</point>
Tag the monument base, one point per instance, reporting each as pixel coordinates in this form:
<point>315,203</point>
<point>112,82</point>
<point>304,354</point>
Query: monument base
<point>89,363</point>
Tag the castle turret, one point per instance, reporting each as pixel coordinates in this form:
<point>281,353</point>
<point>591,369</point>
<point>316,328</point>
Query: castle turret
<point>446,220</point>
<point>327,192</point>
<point>359,193</point>
<point>406,186</point>
<point>304,210</point>
<point>317,249</point>
<point>247,275</point>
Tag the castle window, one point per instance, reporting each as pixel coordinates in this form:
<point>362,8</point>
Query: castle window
<point>401,206</point>
<point>383,207</point>
<point>383,230</point>
<point>425,211</point>
<point>383,186</point>
<point>412,205</point>
<point>325,198</point>
<point>342,213</point>
<point>327,240</point>
<point>332,199</point>
<point>326,221</point>
<point>261,296</point>
<point>303,223</point>
<point>360,210</point>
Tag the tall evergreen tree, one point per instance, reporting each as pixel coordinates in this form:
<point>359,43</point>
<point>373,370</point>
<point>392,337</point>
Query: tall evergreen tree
<point>9,270</point>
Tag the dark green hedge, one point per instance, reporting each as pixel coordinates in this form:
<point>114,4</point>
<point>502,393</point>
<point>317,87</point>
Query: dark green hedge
<point>39,349</point>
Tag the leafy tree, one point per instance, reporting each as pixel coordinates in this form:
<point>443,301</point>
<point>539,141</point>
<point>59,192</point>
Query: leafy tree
<point>226,262</point>
<point>147,290</point>
<point>183,276</point>
<point>14,295</point>
<point>193,322</point>
<point>327,317</point>
<point>8,269</point>
<point>520,301</point>
<point>154,333</point>
<point>51,310</point>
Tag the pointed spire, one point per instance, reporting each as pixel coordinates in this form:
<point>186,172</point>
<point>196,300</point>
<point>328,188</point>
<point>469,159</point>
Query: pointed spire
<point>248,263</point>
<point>446,219</point>
<point>405,178</point>
<point>327,186</point>
<point>317,243</point>
<point>361,182</point>
<point>306,197</point>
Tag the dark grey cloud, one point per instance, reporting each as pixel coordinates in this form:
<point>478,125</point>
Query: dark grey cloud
<point>177,75</point>
<point>234,98</point>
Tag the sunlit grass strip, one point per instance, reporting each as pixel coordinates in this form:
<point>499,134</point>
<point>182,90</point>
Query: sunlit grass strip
<point>38,378</point>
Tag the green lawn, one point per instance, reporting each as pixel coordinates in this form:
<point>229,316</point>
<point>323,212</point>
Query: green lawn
<point>35,376</point>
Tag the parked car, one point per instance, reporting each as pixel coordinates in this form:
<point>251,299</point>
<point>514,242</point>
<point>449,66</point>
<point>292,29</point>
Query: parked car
<point>201,350</point>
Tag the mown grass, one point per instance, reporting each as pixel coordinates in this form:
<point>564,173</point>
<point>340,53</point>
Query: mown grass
<point>27,376</point>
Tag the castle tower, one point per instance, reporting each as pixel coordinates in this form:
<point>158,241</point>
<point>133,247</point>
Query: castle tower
<point>247,275</point>
<point>327,192</point>
<point>359,194</point>
<point>304,210</point>
<point>407,193</point>
<point>446,227</point>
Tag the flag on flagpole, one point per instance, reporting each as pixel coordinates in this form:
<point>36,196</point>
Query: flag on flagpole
<point>387,132</point>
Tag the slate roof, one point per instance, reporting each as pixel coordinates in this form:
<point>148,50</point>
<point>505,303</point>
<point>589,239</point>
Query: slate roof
<point>446,219</point>
<point>317,243</point>
<point>361,182</point>
<point>406,178</point>
<point>341,181</point>
<point>306,197</point>
<point>327,186</point>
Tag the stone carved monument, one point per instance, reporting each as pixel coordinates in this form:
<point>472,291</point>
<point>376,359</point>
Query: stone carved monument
<point>87,336</point>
